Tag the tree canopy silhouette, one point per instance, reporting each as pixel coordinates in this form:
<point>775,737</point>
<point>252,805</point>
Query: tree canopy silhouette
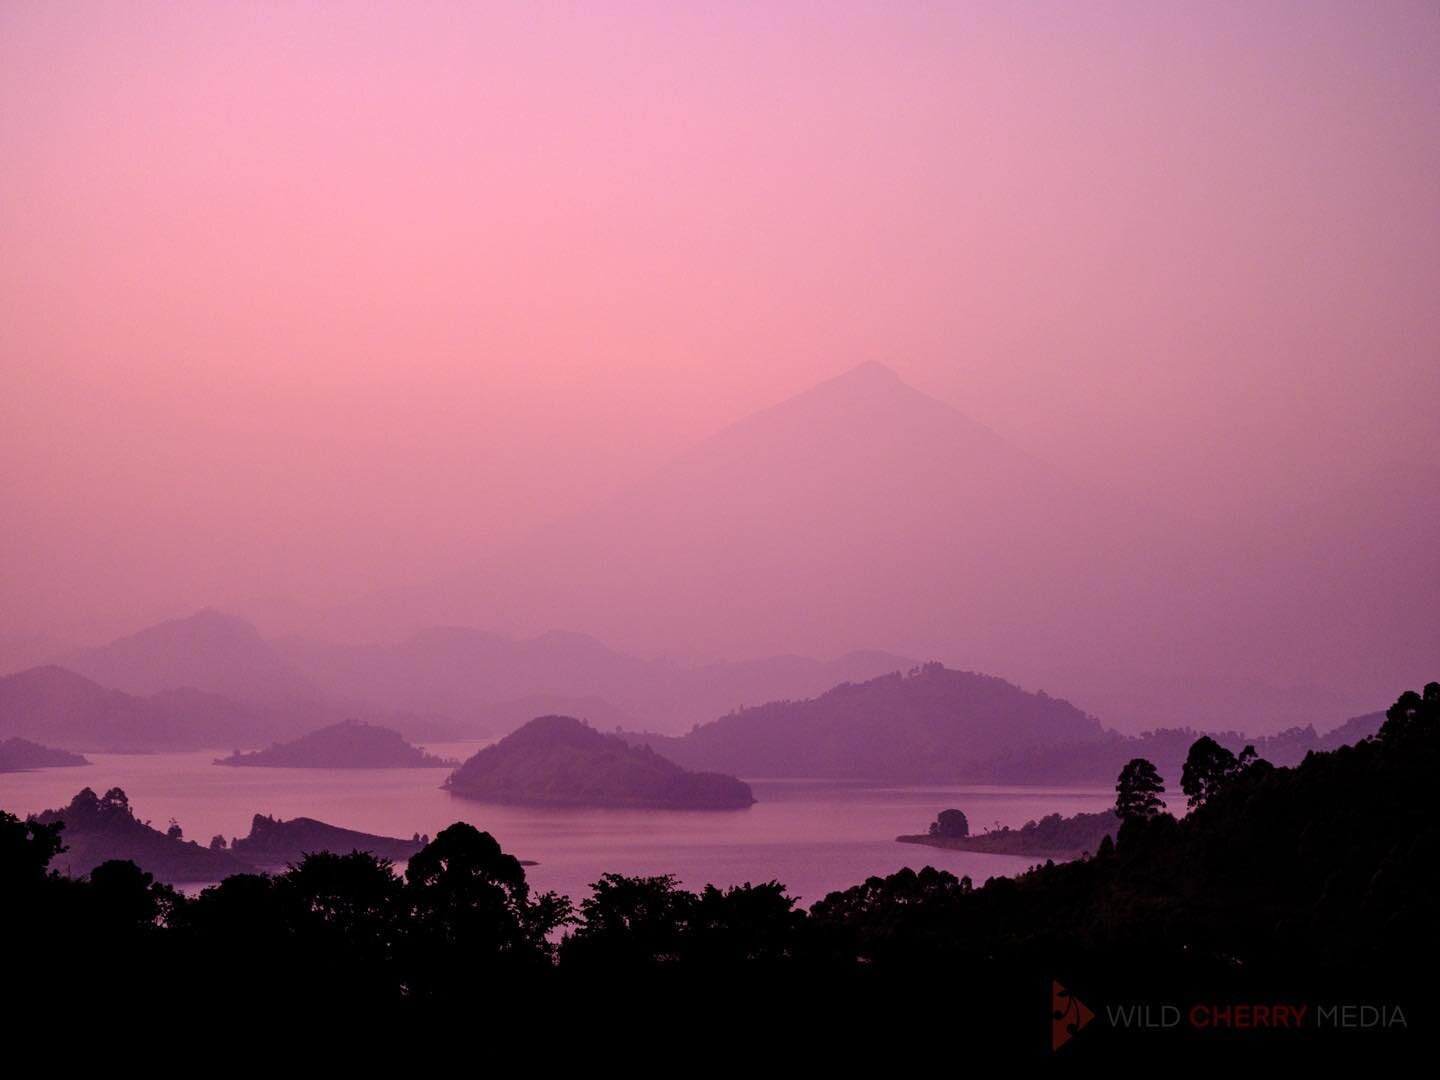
<point>1209,767</point>
<point>1138,791</point>
<point>1322,870</point>
<point>951,823</point>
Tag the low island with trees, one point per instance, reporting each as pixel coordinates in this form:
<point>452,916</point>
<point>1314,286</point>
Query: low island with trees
<point>350,744</point>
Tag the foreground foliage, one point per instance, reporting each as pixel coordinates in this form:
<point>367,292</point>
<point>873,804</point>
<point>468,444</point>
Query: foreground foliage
<point>1318,875</point>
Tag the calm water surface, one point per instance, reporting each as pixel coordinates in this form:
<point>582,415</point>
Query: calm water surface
<point>815,836</point>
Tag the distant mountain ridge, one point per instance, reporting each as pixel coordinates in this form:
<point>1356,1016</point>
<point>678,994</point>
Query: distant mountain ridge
<point>208,651</point>
<point>864,512</point>
<point>936,724</point>
<point>59,707</point>
<point>444,682</point>
<point>857,512</point>
<point>478,676</point>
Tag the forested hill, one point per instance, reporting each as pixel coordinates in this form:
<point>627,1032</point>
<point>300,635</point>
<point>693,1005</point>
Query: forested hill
<point>560,761</point>
<point>931,723</point>
<point>99,829</point>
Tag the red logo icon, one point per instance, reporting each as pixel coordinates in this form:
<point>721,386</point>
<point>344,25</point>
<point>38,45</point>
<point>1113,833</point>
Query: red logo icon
<point>1068,1015</point>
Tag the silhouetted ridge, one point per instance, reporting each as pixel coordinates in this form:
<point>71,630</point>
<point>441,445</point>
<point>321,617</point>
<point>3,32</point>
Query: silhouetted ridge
<point>484,678</point>
<point>59,707</point>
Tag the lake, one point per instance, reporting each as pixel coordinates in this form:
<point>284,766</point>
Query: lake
<point>815,836</point>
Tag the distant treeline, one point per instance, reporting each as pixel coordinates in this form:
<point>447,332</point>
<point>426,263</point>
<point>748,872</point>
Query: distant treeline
<point>1318,880</point>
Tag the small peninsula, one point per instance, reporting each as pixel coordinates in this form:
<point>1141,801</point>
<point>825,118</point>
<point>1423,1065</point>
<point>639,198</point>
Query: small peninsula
<point>100,828</point>
<point>350,744</point>
<point>561,761</point>
<point>97,829</point>
<point>18,755</point>
<point>1052,837</point>
<point>275,843</point>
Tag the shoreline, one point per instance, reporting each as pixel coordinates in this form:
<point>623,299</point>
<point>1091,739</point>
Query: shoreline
<point>991,844</point>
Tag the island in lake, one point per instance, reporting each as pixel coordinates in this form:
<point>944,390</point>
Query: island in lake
<point>350,744</point>
<point>17,755</point>
<point>561,761</point>
<point>1052,837</point>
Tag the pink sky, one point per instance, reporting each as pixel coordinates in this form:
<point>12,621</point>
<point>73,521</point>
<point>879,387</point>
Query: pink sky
<point>298,301</point>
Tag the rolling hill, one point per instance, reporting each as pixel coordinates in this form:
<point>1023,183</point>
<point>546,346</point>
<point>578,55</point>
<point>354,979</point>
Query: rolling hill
<point>929,724</point>
<point>559,761</point>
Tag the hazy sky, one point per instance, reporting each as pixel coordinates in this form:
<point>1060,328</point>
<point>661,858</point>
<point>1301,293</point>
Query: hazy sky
<point>297,301</point>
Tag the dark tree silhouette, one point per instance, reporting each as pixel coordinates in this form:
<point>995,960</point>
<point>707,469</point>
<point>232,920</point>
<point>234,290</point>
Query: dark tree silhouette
<point>631,922</point>
<point>650,923</point>
<point>342,889</point>
<point>1208,767</point>
<point>951,823</point>
<point>470,908</point>
<point>1332,860</point>
<point>744,924</point>
<point>1412,710</point>
<point>1138,791</point>
<point>26,848</point>
<point>130,897</point>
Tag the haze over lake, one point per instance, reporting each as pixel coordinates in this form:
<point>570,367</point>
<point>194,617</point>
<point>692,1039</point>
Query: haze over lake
<point>815,836</point>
